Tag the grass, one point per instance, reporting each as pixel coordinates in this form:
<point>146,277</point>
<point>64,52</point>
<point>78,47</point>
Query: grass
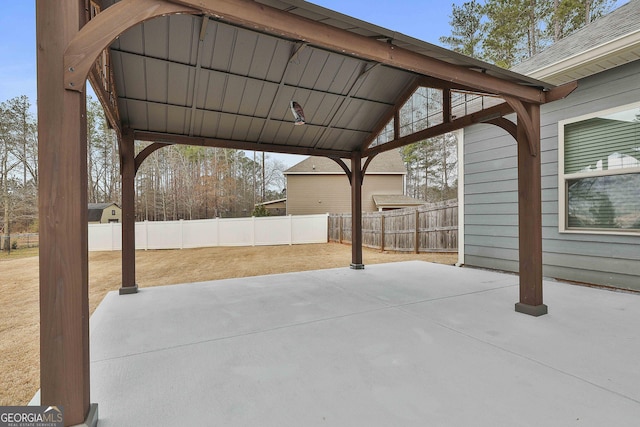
<point>19,299</point>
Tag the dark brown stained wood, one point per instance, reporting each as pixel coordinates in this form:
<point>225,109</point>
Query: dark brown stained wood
<point>62,162</point>
<point>147,151</point>
<point>356,211</point>
<point>478,117</point>
<point>530,208</point>
<point>273,21</point>
<point>239,145</point>
<point>446,105</point>
<point>560,92</point>
<point>97,35</point>
<point>128,172</point>
<point>525,123</point>
<point>505,124</point>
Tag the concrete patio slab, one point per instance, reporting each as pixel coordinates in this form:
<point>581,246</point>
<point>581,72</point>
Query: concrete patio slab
<point>405,344</point>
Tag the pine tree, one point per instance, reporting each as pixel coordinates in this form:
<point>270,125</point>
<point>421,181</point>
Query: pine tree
<point>466,29</point>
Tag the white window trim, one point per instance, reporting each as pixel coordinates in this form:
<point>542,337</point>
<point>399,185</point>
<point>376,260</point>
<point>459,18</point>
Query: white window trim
<point>562,187</point>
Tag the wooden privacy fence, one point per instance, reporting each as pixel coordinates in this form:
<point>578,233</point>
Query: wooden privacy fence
<point>428,228</point>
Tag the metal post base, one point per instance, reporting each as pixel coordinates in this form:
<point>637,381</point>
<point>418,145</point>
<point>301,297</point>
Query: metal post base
<point>125,290</point>
<point>357,266</point>
<point>532,310</point>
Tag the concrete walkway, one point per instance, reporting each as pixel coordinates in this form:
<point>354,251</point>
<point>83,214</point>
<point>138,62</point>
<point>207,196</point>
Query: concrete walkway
<point>405,344</point>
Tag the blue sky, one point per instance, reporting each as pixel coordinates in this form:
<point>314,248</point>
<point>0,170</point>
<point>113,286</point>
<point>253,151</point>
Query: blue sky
<point>427,21</point>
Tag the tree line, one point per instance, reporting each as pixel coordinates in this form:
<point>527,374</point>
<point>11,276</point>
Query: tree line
<point>175,182</point>
<point>505,32</point>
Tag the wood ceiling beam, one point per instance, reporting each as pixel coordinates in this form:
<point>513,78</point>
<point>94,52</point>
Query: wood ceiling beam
<point>237,145</point>
<point>84,48</point>
<point>260,17</point>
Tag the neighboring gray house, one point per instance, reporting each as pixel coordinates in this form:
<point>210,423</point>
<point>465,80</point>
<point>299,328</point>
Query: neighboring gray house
<point>590,160</point>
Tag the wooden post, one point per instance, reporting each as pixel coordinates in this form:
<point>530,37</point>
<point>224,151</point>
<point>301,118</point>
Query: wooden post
<point>356,211</point>
<point>62,162</point>
<point>416,240</point>
<point>128,172</point>
<point>381,232</point>
<point>530,211</point>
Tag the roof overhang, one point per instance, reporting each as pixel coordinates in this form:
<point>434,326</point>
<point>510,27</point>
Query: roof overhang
<point>604,56</point>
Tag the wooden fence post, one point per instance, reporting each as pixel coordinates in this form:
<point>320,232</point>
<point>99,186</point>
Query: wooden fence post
<point>381,232</point>
<point>417,233</point>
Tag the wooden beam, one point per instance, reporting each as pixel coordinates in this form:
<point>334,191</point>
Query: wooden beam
<point>238,145</point>
<point>560,92</point>
<point>147,151</point>
<point>478,117</point>
<point>527,123</point>
<point>356,211</point>
<point>366,165</point>
<point>530,214</point>
<point>62,163</point>
<point>83,50</point>
<point>260,17</point>
<point>128,172</point>
<point>343,165</point>
<point>505,124</point>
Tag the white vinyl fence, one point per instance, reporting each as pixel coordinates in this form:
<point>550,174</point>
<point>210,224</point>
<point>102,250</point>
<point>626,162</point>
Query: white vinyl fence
<point>278,230</point>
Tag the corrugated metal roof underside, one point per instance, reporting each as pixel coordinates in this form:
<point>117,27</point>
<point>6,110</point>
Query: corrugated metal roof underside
<point>236,84</point>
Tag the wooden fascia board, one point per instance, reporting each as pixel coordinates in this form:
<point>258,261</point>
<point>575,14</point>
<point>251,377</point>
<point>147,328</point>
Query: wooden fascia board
<point>102,30</point>
<point>478,117</point>
<point>238,145</point>
<point>270,20</point>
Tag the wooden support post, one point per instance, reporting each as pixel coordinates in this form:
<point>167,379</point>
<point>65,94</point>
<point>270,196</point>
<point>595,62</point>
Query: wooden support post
<point>530,211</point>
<point>62,163</point>
<point>128,172</point>
<point>356,211</point>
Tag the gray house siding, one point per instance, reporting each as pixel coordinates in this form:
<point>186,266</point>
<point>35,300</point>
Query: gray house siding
<point>490,194</point>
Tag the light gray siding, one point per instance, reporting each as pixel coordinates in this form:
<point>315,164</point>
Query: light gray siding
<point>491,197</point>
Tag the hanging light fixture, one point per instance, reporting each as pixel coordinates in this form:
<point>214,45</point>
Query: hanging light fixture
<point>297,112</point>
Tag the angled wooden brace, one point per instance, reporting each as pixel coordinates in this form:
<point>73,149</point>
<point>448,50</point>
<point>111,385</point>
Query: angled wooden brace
<point>84,48</point>
<point>528,120</point>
